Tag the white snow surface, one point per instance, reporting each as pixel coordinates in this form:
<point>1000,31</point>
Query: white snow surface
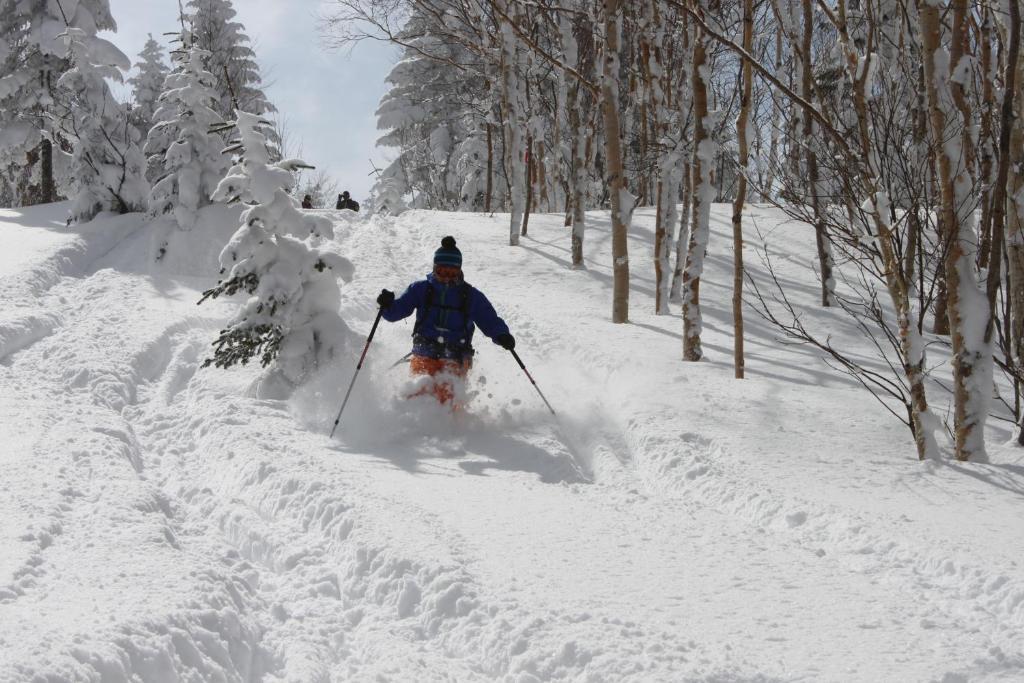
<point>159,523</point>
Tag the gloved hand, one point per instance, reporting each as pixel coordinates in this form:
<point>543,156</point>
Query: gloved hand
<point>385,298</point>
<point>506,341</point>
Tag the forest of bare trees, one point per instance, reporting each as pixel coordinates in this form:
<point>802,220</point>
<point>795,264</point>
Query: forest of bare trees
<point>890,127</point>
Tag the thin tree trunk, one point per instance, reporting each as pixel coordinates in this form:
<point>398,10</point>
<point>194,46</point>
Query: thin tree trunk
<point>682,239</point>
<point>971,362</point>
<point>766,192</point>
<point>1007,124</point>
<point>899,277</point>
<point>579,56</point>
<point>490,168</point>
<point>741,192</point>
<point>47,188</point>
<point>529,183</point>
<point>1010,185</point>
<point>513,132</point>
<point>684,107</point>
<point>620,199</point>
<point>557,171</point>
<point>703,193</point>
<point>667,181</point>
<point>813,179</point>
<point>988,108</point>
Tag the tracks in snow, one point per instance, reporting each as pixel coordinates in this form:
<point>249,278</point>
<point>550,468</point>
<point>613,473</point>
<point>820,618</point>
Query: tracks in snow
<point>249,548</point>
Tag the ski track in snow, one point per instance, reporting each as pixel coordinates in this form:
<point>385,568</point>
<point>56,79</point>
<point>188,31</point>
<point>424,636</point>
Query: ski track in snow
<point>166,524</point>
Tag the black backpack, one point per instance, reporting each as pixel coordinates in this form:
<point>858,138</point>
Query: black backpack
<point>428,301</point>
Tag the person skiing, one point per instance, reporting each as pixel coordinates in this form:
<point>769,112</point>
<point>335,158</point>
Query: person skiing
<point>307,202</point>
<point>346,202</point>
<point>448,310</point>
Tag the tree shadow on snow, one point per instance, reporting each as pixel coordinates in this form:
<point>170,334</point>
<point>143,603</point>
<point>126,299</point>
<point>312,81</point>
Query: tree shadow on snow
<point>1002,476</point>
<point>604,278</point>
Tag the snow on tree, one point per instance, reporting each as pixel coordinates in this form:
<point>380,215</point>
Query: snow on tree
<point>622,201</point>
<point>147,85</point>
<point>705,150</point>
<point>387,194</point>
<point>515,149</point>
<point>950,121</point>
<point>435,123</point>
<point>32,59</point>
<point>321,188</point>
<point>231,60</point>
<point>181,145</point>
<point>291,317</point>
<point>469,163</point>
<point>107,165</point>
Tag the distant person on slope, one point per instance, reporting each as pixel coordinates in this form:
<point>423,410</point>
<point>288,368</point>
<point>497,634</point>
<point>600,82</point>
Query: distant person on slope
<point>448,310</point>
<point>307,202</point>
<point>346,202</point>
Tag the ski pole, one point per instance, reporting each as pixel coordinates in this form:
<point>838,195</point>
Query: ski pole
<point>530,377</point>
<point>400,361</point>
<point>359,367</point>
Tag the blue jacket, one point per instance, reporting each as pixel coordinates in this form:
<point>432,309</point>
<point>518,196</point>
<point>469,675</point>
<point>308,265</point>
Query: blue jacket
<point>444,322</point>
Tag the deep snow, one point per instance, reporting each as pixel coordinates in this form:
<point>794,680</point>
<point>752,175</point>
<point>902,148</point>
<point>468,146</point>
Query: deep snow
<point>160,522</point>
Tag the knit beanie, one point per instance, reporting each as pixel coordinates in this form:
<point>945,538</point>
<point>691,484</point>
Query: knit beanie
<point>448,254</point>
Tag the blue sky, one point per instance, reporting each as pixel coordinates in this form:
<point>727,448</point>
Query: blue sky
<point>327,97</point>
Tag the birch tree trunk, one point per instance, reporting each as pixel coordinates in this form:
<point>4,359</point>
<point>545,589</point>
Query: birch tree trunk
<point>813,179</point>
<point>621,200</point>
<point>683,236</point>
<point>986,152</point>
<point>489,191</point>
<point>683,108</point>
<point>529,163</point>
<point>1010,183</point>
<point>899,277</point>
<point>513,130</point>
<point>667,182</point>
<point>703,194</point>
<point>742,122</point>
<point>576,56</point>
<point>767,193</point>
<point>557,158</point>
<point>968,312</point>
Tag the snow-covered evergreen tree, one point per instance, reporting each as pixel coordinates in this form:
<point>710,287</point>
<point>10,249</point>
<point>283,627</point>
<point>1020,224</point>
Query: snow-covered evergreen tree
<point>32,59</point>
<point>291,318</point>
<point>107,166</point>
<point>435,122</point>
<point>187,156</point>
<point>387,194</point>
<point>231,60</point>
<point>147,84</point>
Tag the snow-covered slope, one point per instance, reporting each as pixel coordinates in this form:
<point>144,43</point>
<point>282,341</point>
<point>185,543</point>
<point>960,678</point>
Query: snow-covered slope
<point>160,522</point>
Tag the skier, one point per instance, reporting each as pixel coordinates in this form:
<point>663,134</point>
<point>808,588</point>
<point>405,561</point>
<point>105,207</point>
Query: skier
<point>307,202</point>
<point>346,202</point>
<point>448,309</point>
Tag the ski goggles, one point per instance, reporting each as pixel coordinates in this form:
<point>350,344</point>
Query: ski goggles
<point>447,273</point>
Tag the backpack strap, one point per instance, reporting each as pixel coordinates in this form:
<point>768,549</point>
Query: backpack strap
<point>464,309</point>
<point>428,301</point>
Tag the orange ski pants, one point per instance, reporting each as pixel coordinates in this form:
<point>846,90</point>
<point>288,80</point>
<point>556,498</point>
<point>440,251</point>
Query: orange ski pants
<point>441,388</point>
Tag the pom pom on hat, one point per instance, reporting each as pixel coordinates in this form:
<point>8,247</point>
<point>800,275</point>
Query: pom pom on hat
<point>448,254</point>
